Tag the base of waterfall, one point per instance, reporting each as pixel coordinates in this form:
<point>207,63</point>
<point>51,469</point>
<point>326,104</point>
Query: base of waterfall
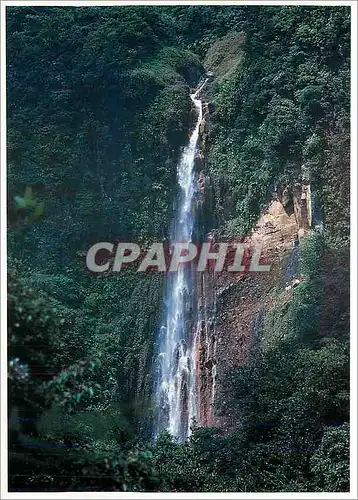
<point>233,257</point>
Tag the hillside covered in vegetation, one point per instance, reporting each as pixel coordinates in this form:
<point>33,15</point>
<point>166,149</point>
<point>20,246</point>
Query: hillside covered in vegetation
<point>98,110</point>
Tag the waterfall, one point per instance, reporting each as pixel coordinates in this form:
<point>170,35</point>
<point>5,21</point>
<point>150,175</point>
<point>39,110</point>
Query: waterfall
<point>175,394</point>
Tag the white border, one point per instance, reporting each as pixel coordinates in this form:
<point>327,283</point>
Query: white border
<point>104,3</point>
<point>354,249</point>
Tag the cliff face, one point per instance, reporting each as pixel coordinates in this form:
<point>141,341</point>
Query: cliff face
<point>235,305</point>
<point>244,313</point>
<point>232,305</point>
<point>244,300</point>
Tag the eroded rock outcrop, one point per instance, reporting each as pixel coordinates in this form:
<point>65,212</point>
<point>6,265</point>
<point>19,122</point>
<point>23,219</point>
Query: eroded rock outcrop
<point>233,305</point>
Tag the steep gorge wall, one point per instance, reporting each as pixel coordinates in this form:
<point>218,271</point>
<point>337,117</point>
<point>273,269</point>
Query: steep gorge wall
<point>233,306</point>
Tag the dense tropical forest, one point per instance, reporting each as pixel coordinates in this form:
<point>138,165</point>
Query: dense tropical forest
<point>98,109</point>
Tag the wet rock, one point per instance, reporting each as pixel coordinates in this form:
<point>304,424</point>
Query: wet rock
<point>201,182</point>
<point>285,196</point>
<point>208,364</point>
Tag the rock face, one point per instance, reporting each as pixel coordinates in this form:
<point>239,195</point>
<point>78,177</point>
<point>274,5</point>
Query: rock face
<point>206,349</point>
<point>192,74</point>
<point>205,193</point>
<point>233,305</point>
<point>297,199</point>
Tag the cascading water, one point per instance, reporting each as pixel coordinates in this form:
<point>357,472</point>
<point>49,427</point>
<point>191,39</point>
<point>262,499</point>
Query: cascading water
<point>175,364</point>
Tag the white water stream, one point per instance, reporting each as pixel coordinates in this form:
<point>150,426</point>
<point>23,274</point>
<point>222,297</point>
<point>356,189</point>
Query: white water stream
<point>175,375</point>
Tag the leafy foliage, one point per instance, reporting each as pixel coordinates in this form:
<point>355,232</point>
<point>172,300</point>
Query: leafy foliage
<point>287,98</point>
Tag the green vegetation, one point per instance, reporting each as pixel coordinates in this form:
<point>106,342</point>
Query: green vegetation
<point>98,109</point>
<point>290,402</point>
<point>285,105</point>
